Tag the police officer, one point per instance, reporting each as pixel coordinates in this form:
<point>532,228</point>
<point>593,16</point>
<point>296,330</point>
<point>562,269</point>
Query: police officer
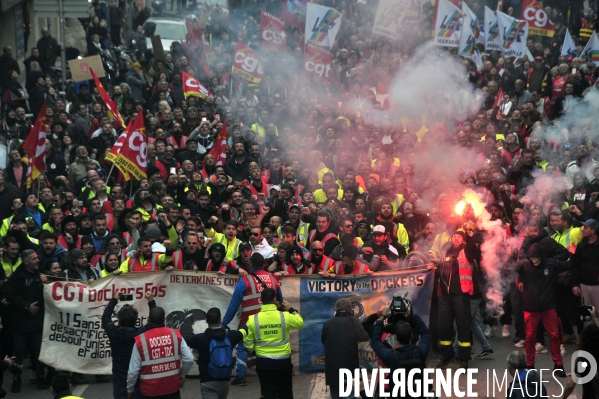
<point>160,358</point>
<point>247,294</point>
<point>268,334</point>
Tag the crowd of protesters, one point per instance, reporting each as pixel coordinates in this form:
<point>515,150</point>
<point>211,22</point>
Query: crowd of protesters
<point>320,177</point>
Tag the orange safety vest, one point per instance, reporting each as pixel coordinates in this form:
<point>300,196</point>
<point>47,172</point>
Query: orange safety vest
<point>178,261</point>
<point>326,263</point>
<point>109,221</point>
<point>150,266</point>
<point>62,241</point>
<point>254,191</point>
<point>287,267</point>
<point>160,351</point>
<point>180,145</point>
<point>465,271</point>
<point>251,302</point>
<point>128,237</point>
<point>326,238</point>
<point>210,265</point>
<point>361,268</point>
<point>586,29</point>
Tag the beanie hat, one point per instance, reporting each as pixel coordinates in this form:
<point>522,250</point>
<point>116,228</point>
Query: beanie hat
<point>76,254</point>
<point>257,260</point>
<point>153,233</point>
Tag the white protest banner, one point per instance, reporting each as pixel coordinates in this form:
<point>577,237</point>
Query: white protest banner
<point>591,50</point>
<point>322,25</point>
<point>73,339</point>
<point>448,24</point>
<point>389,15</point>
<point>471,20</point>
<point>569,48</point>
<point>492,36</point>
<point>513,33</point>
<point>467,40</point>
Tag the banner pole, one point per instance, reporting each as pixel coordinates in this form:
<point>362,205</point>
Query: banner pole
<point>110,172</point>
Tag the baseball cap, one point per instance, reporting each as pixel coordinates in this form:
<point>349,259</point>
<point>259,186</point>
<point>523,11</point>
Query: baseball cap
<point>276,187</point>
<point>102,172</point>
<point>539,58</point>
<point>567,146</point>
<point>245,245</point>
<point>378,229</point>
<point>153,233</point>
<point>592,223</point>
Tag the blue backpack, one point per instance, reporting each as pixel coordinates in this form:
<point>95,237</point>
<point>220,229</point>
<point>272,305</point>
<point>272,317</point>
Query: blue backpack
<point>221,358</point>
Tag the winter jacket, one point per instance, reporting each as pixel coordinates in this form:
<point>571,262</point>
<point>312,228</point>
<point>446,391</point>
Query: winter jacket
<point>137,84</point>
<point>122,340</point>
<point>70,273</point>
<point>549,247</point>
<point>340,337</point>
<point>201,343</point>
<point>538,283</point>
<point>48,47</point>
<point>22,289</point>
<point>585,264</point>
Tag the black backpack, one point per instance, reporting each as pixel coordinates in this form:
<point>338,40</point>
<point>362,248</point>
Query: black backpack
<point>412,363</point>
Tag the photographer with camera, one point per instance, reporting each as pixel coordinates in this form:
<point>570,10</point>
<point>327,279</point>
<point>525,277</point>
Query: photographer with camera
<point>122,339</point>
<point>341,350</point>
<point>403,322</point>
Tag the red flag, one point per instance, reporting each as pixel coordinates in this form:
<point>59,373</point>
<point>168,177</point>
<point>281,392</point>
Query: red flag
<point>499,103</point>
<point>294,13</point>
<point>219,151</point>
<point>318,61</point>
<point>133,157</point>
<point>117,148</point>
<point>110,104</point>
<point>193,87</point>
<point>538,21</point>
<point>35,145</point>
<point>248,63</point>
<point>274,39</point>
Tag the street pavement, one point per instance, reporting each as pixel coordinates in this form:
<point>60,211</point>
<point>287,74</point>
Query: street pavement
<point>312,386</point>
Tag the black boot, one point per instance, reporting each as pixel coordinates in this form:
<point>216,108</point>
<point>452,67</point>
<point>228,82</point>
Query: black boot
<point>445,360</point>
<point>16,385</point>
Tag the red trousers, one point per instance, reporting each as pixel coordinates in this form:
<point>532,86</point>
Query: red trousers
<point>552,324</point>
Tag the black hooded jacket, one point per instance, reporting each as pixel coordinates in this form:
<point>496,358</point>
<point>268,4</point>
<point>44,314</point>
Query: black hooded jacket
<point>22,289</point>
<point>549,247</point>
<point>215,265</point>
<point>122,340</point>
<point>538,280</point>
<point>201,343</point>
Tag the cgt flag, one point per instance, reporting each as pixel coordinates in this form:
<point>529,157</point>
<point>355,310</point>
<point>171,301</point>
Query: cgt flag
<point>111,105</point>
<point>513,33</point>
<point>219,151</point>
<point>248,63</point>
<point>448,23</point>
<point>274,38</point>
<point>114,152</point>
<point>591,50</point>
<point>35,145</point>
<point>538,21</point>
<point>133,158</point>
<point>193,88</point>
<point>318,61</point>
<point>322,25</point>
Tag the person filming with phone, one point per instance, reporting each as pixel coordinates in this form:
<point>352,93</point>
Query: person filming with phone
<point>122,338</point>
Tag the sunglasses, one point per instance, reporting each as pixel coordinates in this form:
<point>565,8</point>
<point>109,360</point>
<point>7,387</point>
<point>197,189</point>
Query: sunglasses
<point>254,234</point>
<point>317,250</point>
<point>349,226</point>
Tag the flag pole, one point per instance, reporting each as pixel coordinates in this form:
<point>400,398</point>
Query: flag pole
<point>131,190</point>
<point>110,172</point>
<point>39,187</point>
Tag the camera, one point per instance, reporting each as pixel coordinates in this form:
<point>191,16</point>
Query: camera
<point>401,310</point>
<point>126,297</point>
<point>584,312</point>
